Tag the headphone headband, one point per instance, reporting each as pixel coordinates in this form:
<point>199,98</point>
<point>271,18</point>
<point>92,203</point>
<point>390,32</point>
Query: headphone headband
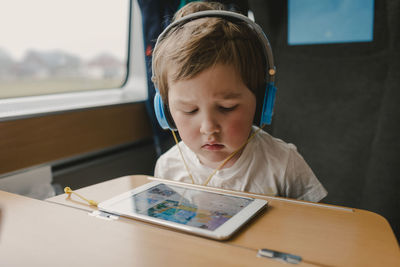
<point>232,16</point>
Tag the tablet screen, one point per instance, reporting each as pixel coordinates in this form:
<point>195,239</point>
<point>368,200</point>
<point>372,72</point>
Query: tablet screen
<point>201,209</point>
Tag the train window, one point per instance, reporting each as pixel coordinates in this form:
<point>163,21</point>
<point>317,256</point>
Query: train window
<point>330,21</point>
<point>52,47</point>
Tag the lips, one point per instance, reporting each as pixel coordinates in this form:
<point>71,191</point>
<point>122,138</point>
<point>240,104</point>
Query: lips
<point>213,147</point>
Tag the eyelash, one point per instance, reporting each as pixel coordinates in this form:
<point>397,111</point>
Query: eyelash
<point>221,108</point>
<point>190,112</point>
<point>227,109</point>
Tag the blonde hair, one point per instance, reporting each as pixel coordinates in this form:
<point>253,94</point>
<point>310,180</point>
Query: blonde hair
<point>196,7</point>
<point>197,45</point>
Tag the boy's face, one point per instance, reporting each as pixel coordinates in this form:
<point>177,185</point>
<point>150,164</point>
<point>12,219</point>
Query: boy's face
<point>213,112</point>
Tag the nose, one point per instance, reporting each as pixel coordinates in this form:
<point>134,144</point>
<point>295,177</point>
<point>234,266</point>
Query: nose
<point>209,124</point>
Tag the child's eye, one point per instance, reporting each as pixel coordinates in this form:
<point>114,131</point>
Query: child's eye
<point>227,109</point>
<point>190,111</point>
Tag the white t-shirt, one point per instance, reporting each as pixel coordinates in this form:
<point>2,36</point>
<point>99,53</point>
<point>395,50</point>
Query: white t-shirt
<point>266,166</point>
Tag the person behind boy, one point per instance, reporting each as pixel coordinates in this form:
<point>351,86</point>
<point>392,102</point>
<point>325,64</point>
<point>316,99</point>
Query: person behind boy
<point>211,73</point>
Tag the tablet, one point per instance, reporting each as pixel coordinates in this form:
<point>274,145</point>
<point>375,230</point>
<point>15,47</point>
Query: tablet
<point>196,211</point>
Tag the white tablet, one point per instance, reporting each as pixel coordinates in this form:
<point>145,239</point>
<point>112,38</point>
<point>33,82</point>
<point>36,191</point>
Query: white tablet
<point>201,212</point>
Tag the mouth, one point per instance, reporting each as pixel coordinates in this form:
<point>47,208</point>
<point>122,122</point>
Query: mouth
<point>213,147</point>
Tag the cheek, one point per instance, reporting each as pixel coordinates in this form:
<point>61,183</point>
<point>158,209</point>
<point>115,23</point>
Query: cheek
<point>186,127</point>
<point>238,127</point>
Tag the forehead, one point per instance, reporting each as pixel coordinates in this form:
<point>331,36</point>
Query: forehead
<point>217,82</point>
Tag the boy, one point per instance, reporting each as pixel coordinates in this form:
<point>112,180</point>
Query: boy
<point>211,73</point>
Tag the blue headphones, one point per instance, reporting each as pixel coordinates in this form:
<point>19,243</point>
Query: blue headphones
<point>161,109</point>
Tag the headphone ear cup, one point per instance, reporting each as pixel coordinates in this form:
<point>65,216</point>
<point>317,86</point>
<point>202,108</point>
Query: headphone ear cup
<point>268,105</point>
<point>162,113</point>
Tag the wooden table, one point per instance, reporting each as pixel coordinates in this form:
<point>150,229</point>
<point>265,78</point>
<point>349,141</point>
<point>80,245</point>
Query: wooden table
<point>60,231</point>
